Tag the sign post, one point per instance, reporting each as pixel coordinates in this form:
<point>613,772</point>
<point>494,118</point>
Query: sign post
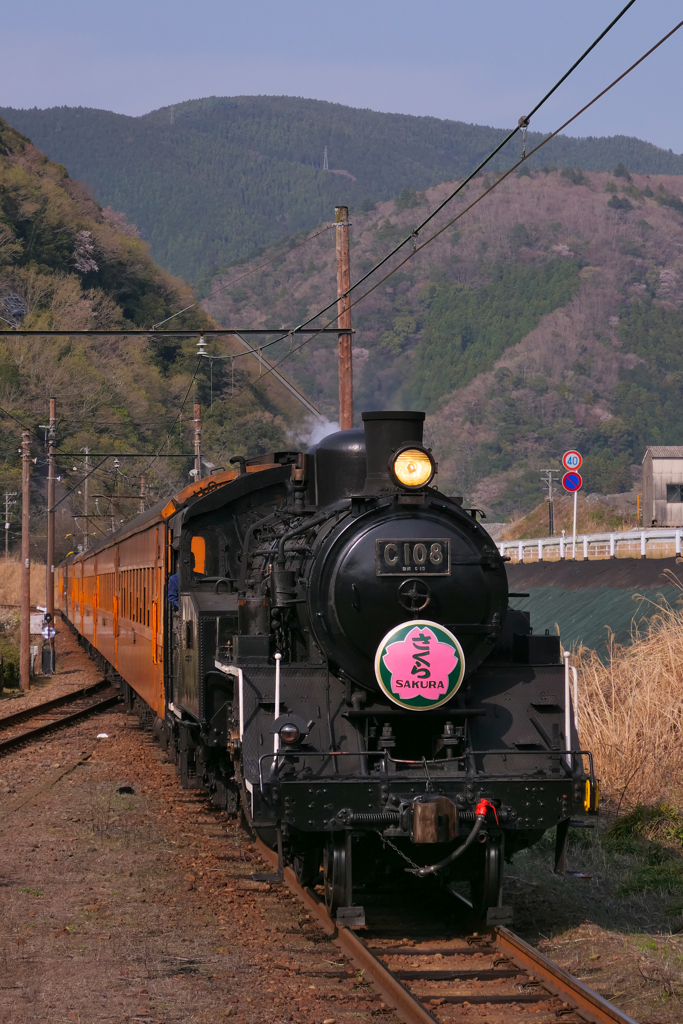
<point>572,482</point>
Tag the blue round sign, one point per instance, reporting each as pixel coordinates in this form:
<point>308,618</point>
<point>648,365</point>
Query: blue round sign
<point>572,481</point>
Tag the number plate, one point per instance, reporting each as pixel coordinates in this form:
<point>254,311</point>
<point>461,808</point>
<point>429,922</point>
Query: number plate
<point>407,557</point>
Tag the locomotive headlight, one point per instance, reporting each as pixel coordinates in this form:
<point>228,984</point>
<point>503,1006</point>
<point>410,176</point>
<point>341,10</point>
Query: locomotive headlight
<point>412,467</point>
<point>289,733</point>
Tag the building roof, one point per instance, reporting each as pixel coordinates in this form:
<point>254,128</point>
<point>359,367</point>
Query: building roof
<point>664,451</point>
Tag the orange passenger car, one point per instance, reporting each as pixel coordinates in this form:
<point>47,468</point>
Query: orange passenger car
<point>115,594</point>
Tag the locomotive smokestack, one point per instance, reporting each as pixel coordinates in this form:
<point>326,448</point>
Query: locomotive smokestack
<point>384,433</point>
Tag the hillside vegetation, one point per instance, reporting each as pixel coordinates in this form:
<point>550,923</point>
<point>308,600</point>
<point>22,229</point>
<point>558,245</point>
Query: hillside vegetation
<point>210,180</point>
<point>548,317</point>
<point>67,264</point>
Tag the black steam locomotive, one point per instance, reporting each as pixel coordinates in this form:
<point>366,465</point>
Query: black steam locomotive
<point>343,663</point>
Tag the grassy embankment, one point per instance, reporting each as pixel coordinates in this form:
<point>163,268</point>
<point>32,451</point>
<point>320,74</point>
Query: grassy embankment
<point>631,717</point>
<point>593,515</point>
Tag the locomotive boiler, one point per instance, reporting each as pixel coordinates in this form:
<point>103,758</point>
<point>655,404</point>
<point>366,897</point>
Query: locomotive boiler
<point>341,662</point>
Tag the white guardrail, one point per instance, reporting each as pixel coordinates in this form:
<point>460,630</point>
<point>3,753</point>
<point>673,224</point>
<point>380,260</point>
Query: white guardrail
<point>628,544</point>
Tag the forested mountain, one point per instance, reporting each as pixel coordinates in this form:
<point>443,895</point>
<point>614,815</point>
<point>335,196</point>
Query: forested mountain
<point>550,316</point>
<point>67,264</point>
<point>209,181</point>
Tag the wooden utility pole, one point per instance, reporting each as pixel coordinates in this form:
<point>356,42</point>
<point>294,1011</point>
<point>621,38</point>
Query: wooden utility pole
<point>50,567</point>
<point>25,611</point>
<point>50,571</point>
<point>143,490</point>
<point>341,216</point>
<point>86,488</point>
<point>197,442</point>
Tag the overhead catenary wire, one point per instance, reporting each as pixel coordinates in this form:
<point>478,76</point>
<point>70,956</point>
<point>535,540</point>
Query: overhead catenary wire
<point>522,123</point>
<point>93,470</point>
<point>416,249</point>
<point>274,259</point>
<point>101,463</point>
<point>495,185</point>
<point>172,428</point>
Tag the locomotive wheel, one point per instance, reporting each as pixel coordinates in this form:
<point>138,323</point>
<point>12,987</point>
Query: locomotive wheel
<point>486,886</point>
<point>334,872</point>
<point>306,866</point>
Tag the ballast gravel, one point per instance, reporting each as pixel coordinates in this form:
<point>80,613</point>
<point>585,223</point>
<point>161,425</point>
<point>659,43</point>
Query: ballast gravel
<point>120,906</point>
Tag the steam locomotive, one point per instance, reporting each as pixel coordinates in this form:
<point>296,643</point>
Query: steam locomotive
<point>342,663</point>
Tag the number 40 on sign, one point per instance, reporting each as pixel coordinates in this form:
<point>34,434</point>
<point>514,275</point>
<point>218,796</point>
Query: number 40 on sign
<point>572,460</point>
<point>572,482</point>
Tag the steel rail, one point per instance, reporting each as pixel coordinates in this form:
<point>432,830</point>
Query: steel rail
<point>56,702</point>
<point>557,982</point>
<point>384,980</point>
<point>41,730</point>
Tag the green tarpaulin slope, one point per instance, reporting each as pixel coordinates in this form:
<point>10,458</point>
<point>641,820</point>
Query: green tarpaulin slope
<point>588,601</point>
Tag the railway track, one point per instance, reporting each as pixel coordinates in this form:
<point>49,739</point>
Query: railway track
<point>432,979</point>
<point>55,713</point>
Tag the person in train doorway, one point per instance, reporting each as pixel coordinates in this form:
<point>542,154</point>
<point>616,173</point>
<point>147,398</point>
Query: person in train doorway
<point>173,596</point>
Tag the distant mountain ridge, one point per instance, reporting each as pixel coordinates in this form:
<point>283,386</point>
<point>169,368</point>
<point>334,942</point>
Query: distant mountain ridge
<point>549,317</point>
<point>66,264</point>
<point>210,181</point>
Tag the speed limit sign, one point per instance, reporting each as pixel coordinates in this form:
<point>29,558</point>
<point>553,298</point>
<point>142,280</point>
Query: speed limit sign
<point>572,460</point>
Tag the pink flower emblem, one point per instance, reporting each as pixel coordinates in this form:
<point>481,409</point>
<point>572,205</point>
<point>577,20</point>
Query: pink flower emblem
<point>420,665</point>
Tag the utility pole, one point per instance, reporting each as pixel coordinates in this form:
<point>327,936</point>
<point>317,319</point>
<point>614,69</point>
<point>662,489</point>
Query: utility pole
<point>50,569</point>
<point>25,610</point>
<point>325,164</point>
<point>341,216</point>
<point>143,489</point>
<point>8,501</point>
<point>548,479</point>
<point>86,482</point>
<point>197,442</point>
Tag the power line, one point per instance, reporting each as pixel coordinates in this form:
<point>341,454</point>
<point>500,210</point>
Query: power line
<point>87,475</point>
<point>187,393</point>
<point>522,125</point>
<point>150,332</point>
<point>131,455</point>
<point>483,194</point>
<point>252,271</point>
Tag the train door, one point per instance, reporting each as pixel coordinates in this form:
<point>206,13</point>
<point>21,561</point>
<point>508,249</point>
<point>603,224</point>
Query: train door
<point>95,602</point>
<point>172,616</point>
<point>157,622</point>
<point>188,695</point>
<point>199,560</point>
<point>117,594</point>
<point>81,595</point>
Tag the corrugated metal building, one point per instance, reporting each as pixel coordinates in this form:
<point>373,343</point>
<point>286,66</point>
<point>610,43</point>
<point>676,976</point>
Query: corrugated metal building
<point>663,486</point>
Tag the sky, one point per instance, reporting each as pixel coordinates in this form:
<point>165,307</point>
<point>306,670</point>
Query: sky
<point>484,63</point>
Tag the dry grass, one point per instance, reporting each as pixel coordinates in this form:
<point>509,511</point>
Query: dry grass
<point>631,714</point>
<point>594,516</point>
<point>10,583</point>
